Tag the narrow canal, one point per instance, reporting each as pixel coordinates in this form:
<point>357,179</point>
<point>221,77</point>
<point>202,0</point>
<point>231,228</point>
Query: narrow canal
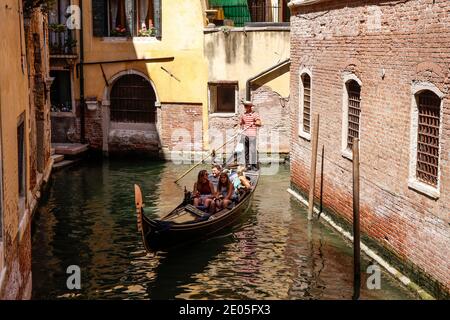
<point>87,219</point>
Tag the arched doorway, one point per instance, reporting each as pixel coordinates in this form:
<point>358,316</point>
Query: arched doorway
<point>133,100</point>
<point>132,115</point>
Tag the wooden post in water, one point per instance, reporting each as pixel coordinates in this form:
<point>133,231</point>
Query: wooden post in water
<point>356,229</point>
<point>312,180</point>
<point>321,181</point>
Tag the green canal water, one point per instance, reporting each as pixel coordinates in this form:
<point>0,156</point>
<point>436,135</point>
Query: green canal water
<point>88,219</point>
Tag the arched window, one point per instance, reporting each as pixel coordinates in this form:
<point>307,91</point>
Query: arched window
<point>354,111</point>
<point>133,100</point>
<point>305,104</point>
<point>427,166</point>
<point>306,80</point>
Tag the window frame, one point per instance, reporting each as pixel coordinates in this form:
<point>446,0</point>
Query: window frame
<point>109,37</point>
<point>345,151</point>
<point>22,197</point>
<point>72,93</point>
<point>301,99</point>
<point>413,182</point>
<point>212,107</point>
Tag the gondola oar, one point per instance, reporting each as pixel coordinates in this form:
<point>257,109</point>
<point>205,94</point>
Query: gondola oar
<point>212,153</point>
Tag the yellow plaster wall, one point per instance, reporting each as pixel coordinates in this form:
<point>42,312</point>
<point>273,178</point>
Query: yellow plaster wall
<point>240,54</point>
<point>182,39</point>
<point>13,102</point>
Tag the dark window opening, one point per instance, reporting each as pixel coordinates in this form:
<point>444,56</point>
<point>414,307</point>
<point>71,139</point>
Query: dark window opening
<point>133,100</point>
<point>428,137</point>
<point>226,99</point>
<point>306,80</point>
<point>222,98</point>
<point>61,91</point>
<point>354,111</point>
<point>21,158</point>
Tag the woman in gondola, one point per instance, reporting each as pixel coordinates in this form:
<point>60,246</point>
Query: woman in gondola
<point>204,192</point>
<point>225,191</point>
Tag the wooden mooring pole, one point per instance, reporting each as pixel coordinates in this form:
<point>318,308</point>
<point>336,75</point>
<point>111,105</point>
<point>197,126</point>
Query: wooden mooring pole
<point>356,229</point>
<point>321,181</point>
<point>312,181</point>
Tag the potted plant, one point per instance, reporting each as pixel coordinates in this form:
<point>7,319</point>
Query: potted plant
<point>119,31</point>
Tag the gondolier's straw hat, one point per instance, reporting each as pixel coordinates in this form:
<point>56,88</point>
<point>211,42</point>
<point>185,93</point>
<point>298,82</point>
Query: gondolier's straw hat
<point>247,103</point>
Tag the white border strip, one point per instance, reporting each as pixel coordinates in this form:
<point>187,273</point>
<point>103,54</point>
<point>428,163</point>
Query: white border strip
<point>397,274</point>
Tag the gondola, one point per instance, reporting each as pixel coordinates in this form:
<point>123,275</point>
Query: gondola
<point>187,223</point>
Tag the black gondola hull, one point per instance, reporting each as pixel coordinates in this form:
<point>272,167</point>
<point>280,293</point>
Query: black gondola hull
<point>161,235</point>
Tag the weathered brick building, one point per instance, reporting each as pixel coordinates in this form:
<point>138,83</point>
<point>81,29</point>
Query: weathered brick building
<point>379,70</point>
<point>25,161</point>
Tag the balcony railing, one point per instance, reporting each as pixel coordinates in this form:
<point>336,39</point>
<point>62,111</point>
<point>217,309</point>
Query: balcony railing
<point>242,15</point>
<point>62,41</point>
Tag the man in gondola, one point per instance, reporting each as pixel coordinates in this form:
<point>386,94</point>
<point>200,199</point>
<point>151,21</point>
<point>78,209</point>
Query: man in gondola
<point>250,121</point>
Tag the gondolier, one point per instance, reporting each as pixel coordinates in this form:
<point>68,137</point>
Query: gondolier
<point>250,120</point>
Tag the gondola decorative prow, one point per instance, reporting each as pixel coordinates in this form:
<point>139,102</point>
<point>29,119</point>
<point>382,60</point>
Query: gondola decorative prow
<point>139,205</point>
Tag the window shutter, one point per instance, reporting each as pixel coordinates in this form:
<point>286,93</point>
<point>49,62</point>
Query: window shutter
<point>157,18</point>
<point>99,18</point>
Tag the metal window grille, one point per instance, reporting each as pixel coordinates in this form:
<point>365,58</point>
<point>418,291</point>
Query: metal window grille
<point>306,79</point>
<point>133,100</point>
<point>428,138</point>
<point>354,111</point>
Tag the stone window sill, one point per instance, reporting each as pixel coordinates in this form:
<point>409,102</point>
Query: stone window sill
<point>347,154</point>
<point>222,115</point>
<point>304,135</point>
<point>130,39</point>
<point>62,114</point>
<point>424,188</point>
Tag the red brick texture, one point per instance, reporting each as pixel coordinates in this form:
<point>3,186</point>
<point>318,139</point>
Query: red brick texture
<point>273,136</point>
<point>410,42</point>
<point>181,126</point>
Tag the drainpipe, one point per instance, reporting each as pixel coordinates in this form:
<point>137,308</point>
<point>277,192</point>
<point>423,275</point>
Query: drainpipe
<point>82,100</point>
<point>259,75</point>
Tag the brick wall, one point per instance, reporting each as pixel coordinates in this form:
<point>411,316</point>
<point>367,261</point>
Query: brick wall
<point>180,127</point>
<point>389,47</point>
<point>273,136</point>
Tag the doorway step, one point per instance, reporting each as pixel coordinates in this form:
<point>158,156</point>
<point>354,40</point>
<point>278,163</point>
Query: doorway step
<point>67,154</point>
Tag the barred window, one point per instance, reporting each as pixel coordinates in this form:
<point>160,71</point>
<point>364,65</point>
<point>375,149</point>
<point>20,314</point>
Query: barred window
<point>306,80</point>
<point>354,111</point>
<point>133,100</point>
<point>428,137</point>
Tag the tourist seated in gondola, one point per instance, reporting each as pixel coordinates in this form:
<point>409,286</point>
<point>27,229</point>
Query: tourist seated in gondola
<point>203,192</point>
<point>240,182</point>
<point>225,192</point>
<point>215,173</point>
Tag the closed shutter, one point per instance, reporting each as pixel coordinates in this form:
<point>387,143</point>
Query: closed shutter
<point>157,17</point>
<point>99,18</point>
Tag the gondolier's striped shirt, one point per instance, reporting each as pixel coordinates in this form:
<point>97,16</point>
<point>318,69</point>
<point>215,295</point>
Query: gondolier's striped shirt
<point>249,120</point>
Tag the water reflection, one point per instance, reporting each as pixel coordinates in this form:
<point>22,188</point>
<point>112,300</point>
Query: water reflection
<point>273,252</point>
